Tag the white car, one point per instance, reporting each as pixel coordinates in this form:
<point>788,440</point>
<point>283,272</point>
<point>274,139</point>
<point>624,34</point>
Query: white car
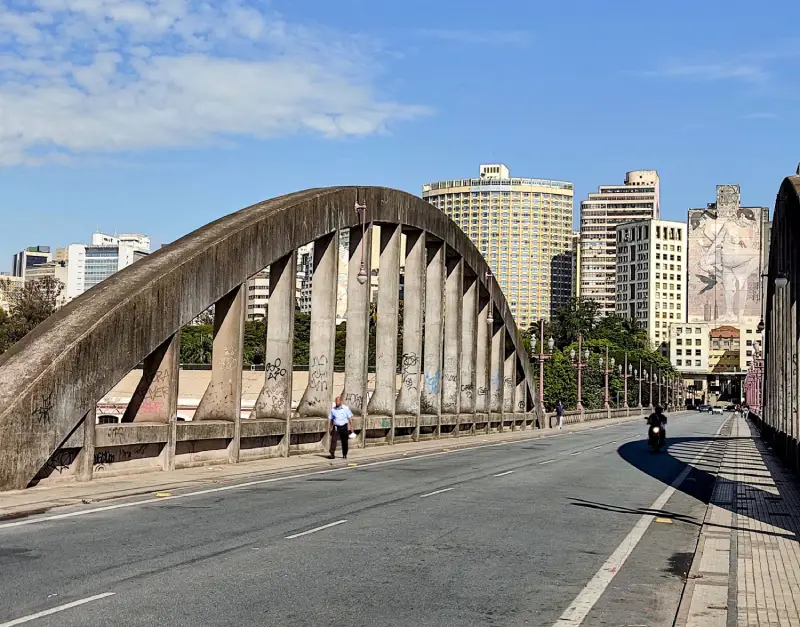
<point>716,410</point>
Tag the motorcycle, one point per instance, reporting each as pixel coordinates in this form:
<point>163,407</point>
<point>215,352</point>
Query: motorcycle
<point>655,437</point>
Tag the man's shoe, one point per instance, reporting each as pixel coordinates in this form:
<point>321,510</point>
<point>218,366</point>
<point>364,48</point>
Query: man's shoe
<point>331,456</point>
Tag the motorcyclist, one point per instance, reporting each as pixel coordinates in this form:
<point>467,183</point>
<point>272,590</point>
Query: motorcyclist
<point>658,419</point>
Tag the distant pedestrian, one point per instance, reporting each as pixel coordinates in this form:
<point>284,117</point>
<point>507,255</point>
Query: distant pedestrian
<point>340,427</point>
<point>560,414</point>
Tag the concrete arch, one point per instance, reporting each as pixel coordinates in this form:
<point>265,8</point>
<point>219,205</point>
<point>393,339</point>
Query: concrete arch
<point>52,378</point>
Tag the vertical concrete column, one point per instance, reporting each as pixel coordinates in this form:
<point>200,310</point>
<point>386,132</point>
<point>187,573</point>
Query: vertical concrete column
<point>413,311</point>
<point>469,337</point>
<point>430,401</point>
<point>509,382</point>
<point>275,399</point>
<point>521,400</point>
<point>451,379</point>
<point>497,367</point>
<point>86,456</point>
<point>383,399</point>
<point>482,358</point>
<point>223,397</point>
<point>356,360</point>
<point>318,398</point>
<point>156,396</point>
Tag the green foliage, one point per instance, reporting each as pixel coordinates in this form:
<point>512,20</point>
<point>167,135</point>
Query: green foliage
<point>620,335</point>
<point>29,305</point>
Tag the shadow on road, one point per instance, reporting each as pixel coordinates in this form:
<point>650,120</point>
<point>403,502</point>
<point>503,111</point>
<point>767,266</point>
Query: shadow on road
<point>705,457</point>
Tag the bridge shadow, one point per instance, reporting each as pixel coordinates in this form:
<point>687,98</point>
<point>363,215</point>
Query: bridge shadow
<point>764,497</point>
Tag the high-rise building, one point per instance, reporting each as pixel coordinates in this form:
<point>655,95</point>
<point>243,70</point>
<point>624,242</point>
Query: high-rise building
<point>636,199</point>
<point>88,264</point>
<point>523,228</point>
<point>651,276</point>
<point>728,250</point>
<point>29,258</point>
<point>258,295</point>
<point>576,263</point>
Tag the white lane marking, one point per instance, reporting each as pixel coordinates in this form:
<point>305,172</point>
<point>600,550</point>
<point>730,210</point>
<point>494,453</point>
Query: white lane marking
<point>588,597</point>
<point>575,453</point>
<point>549,461</point>
<point>594,448</point>
<point>503,474</point>
<point>54,610</point>
<point>247,484</point>
<point>314,530</point>
<point>436,492</point>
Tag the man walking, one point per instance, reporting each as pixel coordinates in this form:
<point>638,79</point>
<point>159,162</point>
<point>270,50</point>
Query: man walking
<point>340,427</point>
<point>560,414</point>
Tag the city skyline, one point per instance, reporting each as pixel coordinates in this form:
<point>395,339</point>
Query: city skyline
<point>706,95</point>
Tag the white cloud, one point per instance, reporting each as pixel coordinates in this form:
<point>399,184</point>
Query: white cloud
<point>93,76</point>
<point>711,71</point>
<point>479,37</point>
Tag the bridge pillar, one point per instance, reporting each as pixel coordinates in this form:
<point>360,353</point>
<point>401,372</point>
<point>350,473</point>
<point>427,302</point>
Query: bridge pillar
<point>275,398</point>
<point>497,370</point>
<point>317,399</point>
<point>430,402</point>
<point>356,360</point>
<point>383,399</point>
<point>86,456</point>
<point>509,378</point>
<point>521,399</point>
<point>156,396</point>
<point>482,359</point>
<point>454,292</point>
<point>408,400</point>
<point>469,337</point>
<point>222,399</point>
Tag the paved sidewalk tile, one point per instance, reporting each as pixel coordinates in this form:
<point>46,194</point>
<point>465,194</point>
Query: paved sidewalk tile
<point>754,515</point>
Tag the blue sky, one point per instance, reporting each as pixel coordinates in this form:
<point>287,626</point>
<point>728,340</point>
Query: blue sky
<point>158,116</point>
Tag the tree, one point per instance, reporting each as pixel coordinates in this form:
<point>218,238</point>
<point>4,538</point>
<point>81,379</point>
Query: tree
<point>578,316</point>
<point>29,306</point>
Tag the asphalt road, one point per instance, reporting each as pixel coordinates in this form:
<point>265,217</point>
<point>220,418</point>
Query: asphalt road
<point>512,534</point>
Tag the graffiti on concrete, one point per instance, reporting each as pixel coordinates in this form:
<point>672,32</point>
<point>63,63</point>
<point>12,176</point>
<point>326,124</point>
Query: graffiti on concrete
<point>351,399</point>
<point>274,371</point>
<point>318,374</point>
<point>43,409</point>
<point>409,370</point>
<point>433,382</point>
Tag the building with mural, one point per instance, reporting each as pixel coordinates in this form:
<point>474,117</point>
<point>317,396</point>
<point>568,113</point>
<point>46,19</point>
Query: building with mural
<point>728,248</point>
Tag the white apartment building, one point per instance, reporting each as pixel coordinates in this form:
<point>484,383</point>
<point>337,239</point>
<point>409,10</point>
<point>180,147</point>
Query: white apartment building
<point>89,264</point>
<point>258,295</point>
<point>636,199</point>
<point>650,273</point>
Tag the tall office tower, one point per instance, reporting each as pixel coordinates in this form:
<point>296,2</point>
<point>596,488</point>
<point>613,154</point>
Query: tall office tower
<point>651,276</point>
<point>636,199</point>
<point>523,227</point>
<point>576,263</point>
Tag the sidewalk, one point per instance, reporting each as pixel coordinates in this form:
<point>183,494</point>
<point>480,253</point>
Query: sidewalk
<point>39,499</point>
<point>746,570</point>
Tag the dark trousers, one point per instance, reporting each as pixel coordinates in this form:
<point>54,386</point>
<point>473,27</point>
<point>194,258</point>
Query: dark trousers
<point>340,433</point>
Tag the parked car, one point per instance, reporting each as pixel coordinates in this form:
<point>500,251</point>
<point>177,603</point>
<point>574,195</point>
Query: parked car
<point>703,408</point>
<point>717,409</point>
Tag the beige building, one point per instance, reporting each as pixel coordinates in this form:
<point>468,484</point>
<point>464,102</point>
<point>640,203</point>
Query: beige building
<point>650,276</point>
<point>636,199</point>
<point>523,227</point>
<point>8,284</point>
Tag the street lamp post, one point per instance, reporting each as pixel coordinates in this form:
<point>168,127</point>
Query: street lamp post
<point>625,372</point>
<point>658,382</point>
<point>580,365</point>
<point>652,376</point>
<point>542,356</point>
<point>609,365</point>
<point>640,377</point>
